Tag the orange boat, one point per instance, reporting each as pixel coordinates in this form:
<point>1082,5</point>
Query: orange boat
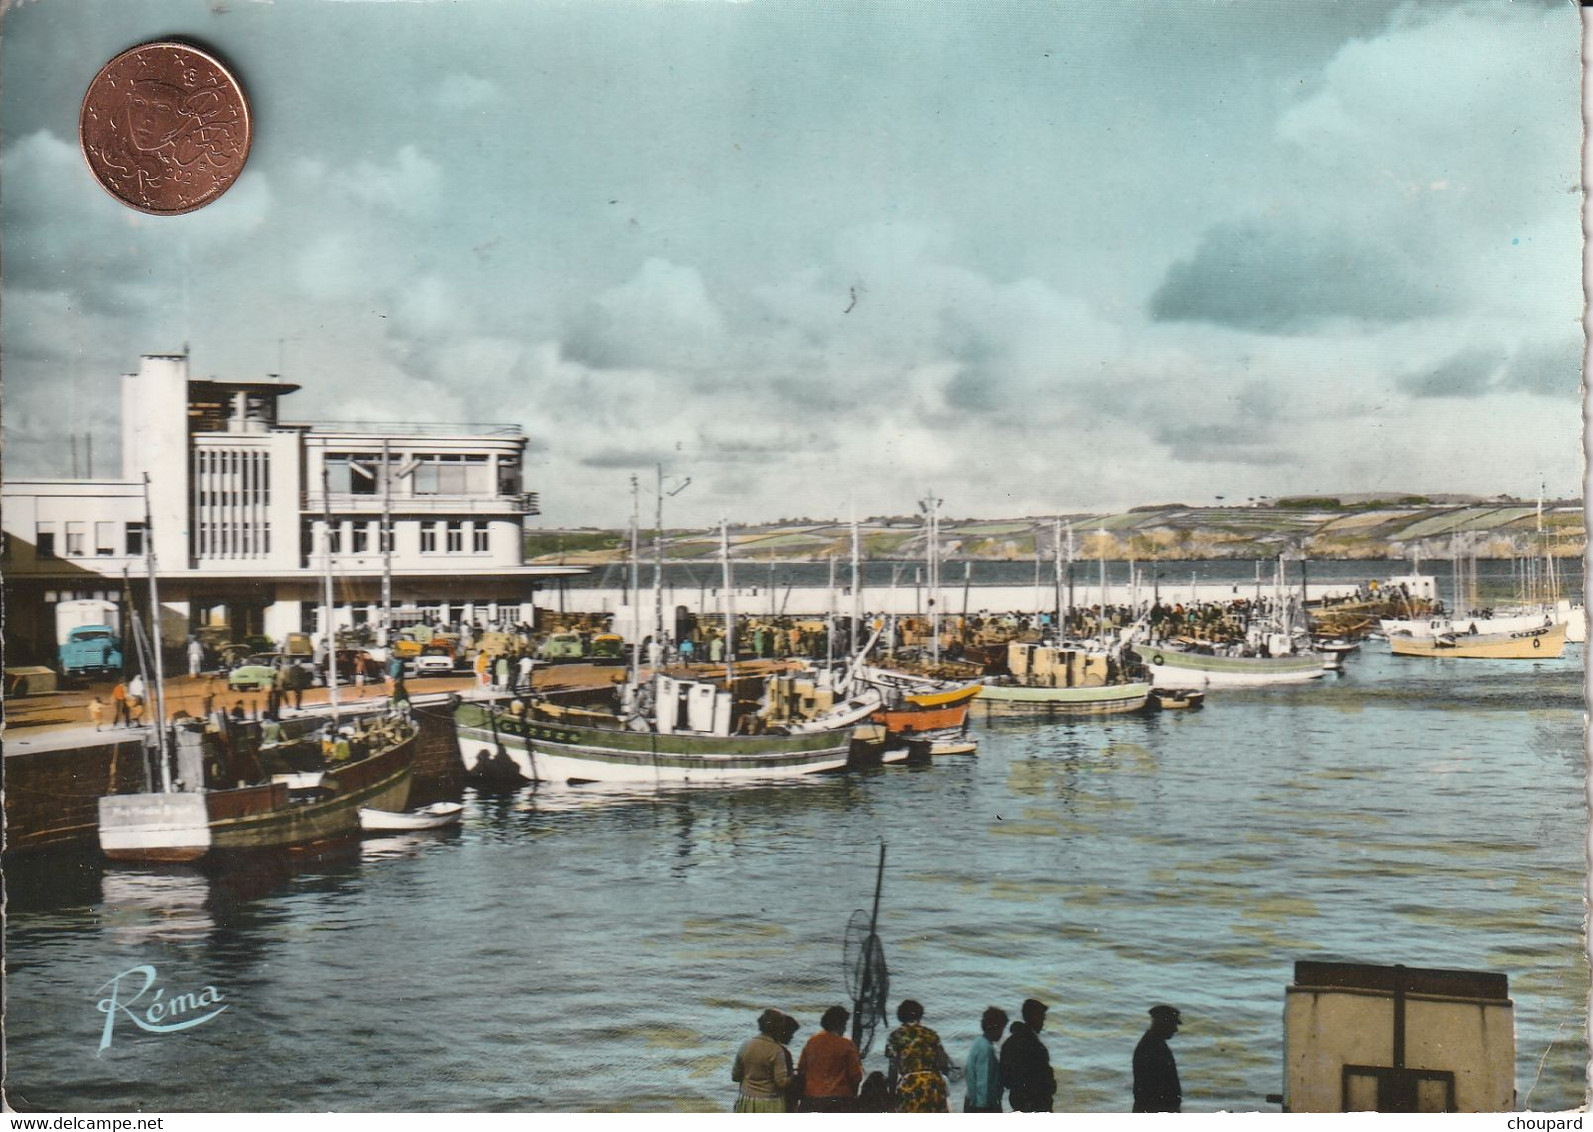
<point>917,709</point>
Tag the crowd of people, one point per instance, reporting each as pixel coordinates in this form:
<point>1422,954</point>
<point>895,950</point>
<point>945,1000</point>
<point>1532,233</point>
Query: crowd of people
<point>1006,1065</point>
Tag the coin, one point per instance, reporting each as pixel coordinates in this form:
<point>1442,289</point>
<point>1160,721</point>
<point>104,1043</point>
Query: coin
<point>165,128</point>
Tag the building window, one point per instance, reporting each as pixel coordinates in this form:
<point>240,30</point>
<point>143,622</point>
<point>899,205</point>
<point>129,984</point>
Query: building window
<point>104,538</point>
<point>509,475</point>
<point>456,537</point>
<point>478,538</point>
<point>334,537</point>
<point>75,537</point>
<point>134,535</point>
<point>361,538</point>
<point>44,540</point>
<point>450,474</point>
<point>350,473</point>
<point>428,538</point>
<point>384,539</point>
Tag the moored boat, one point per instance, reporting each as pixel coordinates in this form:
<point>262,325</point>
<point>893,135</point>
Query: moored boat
<point>920,708</point>
<point>1182,665</point>
<point>438,815</point>
<point>1544,642</point>
<point>307,793</point>
<point>694,731</point>
<point>1052,680</point>
<point>1177,699</point>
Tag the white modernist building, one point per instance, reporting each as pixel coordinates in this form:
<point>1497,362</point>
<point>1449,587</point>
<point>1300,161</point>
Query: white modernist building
<point>423,522</point>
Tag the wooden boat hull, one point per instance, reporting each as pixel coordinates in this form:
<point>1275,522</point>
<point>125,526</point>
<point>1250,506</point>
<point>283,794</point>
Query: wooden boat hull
<point>1527,644</point>
<point>1106,699</point>
<point>195,826</point>
<point>563,752</point>
<point>1174,668</point>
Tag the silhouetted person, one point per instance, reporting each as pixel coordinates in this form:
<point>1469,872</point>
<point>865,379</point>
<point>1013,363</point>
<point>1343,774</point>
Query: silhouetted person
<point>982,1071</point>
<point>829,1068</point>
<point>1026,1064</point>
<point>1156,1087</point>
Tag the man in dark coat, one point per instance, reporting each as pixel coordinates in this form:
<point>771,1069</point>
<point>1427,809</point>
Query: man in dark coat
<point>1025,1063</point>
<point>1156,1087</point>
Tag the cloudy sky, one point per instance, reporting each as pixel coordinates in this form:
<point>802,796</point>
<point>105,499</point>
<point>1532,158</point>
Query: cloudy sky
<point>816,255</point>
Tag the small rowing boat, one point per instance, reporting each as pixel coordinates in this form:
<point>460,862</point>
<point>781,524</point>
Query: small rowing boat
<point>438,815</point>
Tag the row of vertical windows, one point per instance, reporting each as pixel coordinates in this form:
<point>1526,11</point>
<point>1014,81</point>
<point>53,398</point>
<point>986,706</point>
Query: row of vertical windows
<point>76,541</point>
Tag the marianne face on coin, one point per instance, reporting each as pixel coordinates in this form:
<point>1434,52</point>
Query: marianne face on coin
<point>165,128</point>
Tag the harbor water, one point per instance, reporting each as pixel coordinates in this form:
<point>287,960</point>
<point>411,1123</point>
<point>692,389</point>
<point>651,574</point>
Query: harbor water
<point>565,952</point>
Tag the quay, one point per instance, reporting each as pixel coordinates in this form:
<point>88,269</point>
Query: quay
<point>912,599</point>
<point>57,767</point>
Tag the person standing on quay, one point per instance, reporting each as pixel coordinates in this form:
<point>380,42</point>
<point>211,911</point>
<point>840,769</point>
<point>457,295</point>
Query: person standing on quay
<point>918,1062</point>
<point>196,656</point>
<point>760,1067</point>
<point>1156,1087</point>
<point>119,701</point>
<point>829,1067</point>
<point>982,1070</point>
<point>1026,1064</point>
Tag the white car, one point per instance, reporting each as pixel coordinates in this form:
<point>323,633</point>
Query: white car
<point>433,664</point>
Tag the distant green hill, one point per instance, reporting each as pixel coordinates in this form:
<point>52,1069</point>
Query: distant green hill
<point>1389,526</point>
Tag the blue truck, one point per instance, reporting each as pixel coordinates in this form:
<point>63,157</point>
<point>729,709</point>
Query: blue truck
<point>88,637</point>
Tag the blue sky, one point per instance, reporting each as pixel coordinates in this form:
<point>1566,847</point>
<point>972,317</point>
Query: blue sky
<point>1034,257</point>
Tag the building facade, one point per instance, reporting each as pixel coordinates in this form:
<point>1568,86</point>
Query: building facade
<point>247,515</point>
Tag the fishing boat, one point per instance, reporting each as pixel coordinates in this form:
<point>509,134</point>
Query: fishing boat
<point>1184,663</point>
<point>921,709</point>
<point>296,796</point>
<point>673,728</point>
<point>438,815</point>
<point>1062,680</point>
<point>692,732</point>
<point>1544,642</point>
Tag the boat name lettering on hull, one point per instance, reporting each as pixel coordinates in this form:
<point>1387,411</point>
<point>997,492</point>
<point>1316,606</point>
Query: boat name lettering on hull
<point>158,1015</point>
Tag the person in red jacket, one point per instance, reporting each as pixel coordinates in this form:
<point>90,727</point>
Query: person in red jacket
<point>829,1068</point>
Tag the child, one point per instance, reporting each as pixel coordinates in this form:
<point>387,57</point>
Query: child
<point>96,710</point>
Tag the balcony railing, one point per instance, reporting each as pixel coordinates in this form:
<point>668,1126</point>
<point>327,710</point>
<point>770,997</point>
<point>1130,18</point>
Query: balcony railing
<point>345,503</point>
<point>412,428</point>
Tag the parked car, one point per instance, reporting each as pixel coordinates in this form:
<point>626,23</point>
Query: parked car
<point>434,660</point>
<point>258,672</point>
<point>563,647</point>
<point>608,648</point>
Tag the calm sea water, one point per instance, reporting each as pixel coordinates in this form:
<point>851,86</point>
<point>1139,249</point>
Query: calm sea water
<point>561,954</point>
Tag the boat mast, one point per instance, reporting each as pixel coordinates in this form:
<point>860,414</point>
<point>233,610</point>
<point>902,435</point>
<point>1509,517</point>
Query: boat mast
<point>1101,621</point>
<point>729,604</point>
<point>636,579</point>
<point>1069,616</point>
<point>387,548</point>
<point>658,568</point>
<point>829,626</point>
<point>855,638</point>
<point>932,515</point>
<point>155,638</point>
<point>326,590</point>
<point>1056,561</point>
